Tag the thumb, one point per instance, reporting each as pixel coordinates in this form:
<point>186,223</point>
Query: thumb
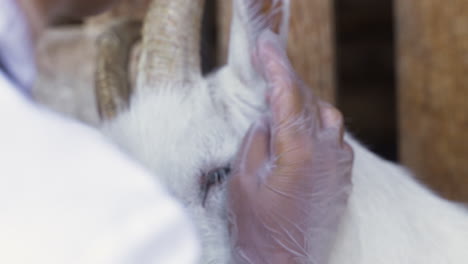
<point>252,157</point>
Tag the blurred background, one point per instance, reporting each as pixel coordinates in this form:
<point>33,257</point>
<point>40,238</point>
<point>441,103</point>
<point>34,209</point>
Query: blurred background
<point>397,69</point>
<point>366,78</point>
<point>345,50</point>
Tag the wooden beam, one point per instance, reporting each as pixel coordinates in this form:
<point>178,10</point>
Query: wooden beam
<point>433,92</point>
<point>311,42</point>
<point>135,9</point>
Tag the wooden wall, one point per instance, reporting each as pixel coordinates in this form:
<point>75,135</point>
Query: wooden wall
<point>366,72</point>
<point>433,92</point>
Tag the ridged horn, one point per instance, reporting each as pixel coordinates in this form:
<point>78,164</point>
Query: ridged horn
<point>112,85</point>
<point>171,42</point>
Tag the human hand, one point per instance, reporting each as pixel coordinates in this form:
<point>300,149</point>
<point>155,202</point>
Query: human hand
<point>292,178</point>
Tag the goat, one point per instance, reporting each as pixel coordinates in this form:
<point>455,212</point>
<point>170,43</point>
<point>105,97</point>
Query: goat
<point>186,128</point>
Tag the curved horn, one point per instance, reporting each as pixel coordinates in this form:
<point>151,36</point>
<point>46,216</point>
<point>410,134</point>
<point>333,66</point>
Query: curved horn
<point>171,42</point>
<point>112,86</point>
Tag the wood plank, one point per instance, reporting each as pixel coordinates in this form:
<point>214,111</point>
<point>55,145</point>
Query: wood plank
<point>433,90</point>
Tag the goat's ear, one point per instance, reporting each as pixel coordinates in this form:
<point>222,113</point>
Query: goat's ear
<point>250,19</point>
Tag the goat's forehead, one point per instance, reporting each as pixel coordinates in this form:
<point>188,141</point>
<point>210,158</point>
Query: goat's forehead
<point>174,115</point>
<point>176,134</point>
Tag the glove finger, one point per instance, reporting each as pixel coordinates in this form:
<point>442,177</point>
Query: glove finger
<point>252,158</point>
<point>279,76</point>
<point>293,121</point>
<point>331,122</point>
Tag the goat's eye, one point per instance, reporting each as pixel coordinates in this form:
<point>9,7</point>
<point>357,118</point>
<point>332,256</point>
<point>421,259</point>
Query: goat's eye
<point>211,179</point>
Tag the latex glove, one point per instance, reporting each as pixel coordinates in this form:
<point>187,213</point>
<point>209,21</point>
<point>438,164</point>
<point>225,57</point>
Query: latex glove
<point>292,178</point>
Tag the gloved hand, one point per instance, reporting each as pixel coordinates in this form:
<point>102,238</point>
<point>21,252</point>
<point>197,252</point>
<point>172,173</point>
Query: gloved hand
<point>292,178</point>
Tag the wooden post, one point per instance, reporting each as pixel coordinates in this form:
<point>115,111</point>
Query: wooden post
<point>135,9</point>
<point>433,92</point>
<point>311,42</point>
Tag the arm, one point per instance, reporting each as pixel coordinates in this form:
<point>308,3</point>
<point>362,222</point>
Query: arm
<point>67,195</point>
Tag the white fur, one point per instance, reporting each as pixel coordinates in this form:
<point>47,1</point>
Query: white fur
<point>180,131</point>
<point>393,219</point>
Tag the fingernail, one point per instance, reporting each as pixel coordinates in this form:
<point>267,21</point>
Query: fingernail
<point>270,38</point>
<point>261,124</point>
<point>331,117</point>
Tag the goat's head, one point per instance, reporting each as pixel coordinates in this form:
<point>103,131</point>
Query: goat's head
<point>185,127</point>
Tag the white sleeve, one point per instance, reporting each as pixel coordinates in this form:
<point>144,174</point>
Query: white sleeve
<point>68,196</point>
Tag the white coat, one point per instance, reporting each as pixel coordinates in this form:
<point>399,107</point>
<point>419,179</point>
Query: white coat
<point>66,194</point>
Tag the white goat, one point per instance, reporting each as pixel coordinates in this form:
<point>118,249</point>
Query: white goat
<point>186,129</point>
